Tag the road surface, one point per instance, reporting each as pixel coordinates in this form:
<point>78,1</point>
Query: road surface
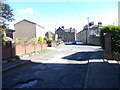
<point>64,67</point>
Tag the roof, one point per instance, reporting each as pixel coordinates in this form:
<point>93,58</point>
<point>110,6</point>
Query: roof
<point>49,32</point>
<point>10,30</point>
<point>30,22</point>
<point>67,30</point>
<point>94,26</point>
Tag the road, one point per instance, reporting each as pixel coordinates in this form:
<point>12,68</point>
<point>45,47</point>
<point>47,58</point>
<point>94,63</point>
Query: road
<point>64,67</point>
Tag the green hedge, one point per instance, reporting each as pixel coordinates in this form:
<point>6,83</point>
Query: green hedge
<point>115,31</point>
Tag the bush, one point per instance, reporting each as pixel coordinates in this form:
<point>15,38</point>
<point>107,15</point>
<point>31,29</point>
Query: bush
<point>40,39</point>
<point>50,39</point>
<point>49,42</point>
<point>45,38</point>
<point>115,31</point>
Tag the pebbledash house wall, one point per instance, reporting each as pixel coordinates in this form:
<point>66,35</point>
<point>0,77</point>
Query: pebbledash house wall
<point>11,50</point>
<point>24,30</point>
<point>28,30</point>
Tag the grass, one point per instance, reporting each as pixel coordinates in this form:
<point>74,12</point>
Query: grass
<point>33,53</point>
<point>43,51</point>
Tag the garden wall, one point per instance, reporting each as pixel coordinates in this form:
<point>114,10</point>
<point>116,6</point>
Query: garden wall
<point>11,50</point>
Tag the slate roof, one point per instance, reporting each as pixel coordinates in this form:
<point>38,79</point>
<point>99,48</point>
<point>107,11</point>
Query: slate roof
<point>94,27</point>
<point>10,30</point>
<point>67,30</point>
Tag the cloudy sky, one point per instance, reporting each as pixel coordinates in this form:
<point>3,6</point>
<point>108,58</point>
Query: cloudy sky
<point>66,13</point>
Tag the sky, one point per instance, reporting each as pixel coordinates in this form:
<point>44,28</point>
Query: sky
<point>52,15</point>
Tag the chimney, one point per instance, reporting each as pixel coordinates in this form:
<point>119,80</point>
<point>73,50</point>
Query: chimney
<point>70,28</point>
<point>62,27</point>
<point>99,24</point>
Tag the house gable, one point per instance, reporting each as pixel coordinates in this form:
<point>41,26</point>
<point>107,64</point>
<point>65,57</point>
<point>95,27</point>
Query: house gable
<point>24,20</point>
<point>66,35</point>
<point>25,30</point>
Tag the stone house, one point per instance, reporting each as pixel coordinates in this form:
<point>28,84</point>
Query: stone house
<point>91,35</point>
<point>26,29</point>
<point>49,34</point>
<point>66,35</point>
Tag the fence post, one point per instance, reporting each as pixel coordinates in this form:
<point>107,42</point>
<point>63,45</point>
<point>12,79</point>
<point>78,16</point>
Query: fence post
<point>108,50</point>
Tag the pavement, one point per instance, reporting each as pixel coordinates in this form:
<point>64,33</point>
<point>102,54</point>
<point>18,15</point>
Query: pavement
<point>101,73</point>
<point>11,65</point>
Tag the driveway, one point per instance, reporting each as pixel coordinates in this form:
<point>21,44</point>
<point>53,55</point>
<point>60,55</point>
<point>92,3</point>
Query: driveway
<point>64,67</point>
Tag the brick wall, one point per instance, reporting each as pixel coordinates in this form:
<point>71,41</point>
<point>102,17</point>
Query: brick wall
<point>30,48</point>
<point>20,49</point>
<point>38,47</point>
<point>11,50</point>
<point>6,50</point>
<point>44,46</point>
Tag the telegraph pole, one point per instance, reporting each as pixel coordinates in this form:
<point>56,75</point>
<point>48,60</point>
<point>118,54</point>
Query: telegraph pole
<point>87,32</point>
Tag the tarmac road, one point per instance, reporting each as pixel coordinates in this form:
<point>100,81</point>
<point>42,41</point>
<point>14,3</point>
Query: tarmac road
<point>64,67</point>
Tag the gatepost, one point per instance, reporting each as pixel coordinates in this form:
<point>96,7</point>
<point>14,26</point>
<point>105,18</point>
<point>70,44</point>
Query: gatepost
<point>108,50</point>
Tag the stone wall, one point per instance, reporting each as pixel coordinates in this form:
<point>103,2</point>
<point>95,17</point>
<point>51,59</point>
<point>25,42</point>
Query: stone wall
<point>94,40</point>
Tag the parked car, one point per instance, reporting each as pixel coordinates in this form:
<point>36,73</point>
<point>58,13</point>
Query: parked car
<point>77,42</point>
<point>59,42</point>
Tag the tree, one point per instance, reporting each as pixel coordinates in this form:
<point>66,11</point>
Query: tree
<point>6,14</point>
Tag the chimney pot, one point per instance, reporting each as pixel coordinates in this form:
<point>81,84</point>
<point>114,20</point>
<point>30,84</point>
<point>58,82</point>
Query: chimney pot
<point>99,24</point>
<point>62,27</point>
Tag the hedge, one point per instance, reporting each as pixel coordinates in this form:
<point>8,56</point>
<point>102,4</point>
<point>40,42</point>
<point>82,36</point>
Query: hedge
<point>115,31</point>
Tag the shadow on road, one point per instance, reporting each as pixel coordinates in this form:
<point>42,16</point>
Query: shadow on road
<point>83,56</point>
